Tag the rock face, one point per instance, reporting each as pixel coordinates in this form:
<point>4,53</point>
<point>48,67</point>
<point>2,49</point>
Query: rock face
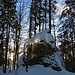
<point>42,50</point>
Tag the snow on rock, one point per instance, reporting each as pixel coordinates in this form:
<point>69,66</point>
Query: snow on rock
<point>44,35</point>
<point>59,60</point>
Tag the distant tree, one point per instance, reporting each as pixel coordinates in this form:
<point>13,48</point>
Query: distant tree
<point>7,26</point>
<point>21,7</point>
<point>40,19</point>
<point>1,34</point>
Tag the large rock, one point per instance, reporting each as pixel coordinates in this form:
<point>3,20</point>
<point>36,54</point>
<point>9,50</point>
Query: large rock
<point>43,51</point>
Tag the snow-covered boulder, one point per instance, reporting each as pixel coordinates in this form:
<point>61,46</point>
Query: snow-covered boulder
<point>43,51</point>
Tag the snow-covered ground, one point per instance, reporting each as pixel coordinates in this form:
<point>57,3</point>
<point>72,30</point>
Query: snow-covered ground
<point>40,69</point>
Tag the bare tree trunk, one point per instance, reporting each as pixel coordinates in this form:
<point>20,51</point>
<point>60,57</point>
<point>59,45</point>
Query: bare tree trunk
<point>6,51</point>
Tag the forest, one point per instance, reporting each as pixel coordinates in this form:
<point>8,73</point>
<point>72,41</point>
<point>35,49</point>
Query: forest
<point>20,20</point>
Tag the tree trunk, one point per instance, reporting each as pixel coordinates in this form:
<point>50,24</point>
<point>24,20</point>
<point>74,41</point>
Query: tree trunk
<point>50,15</point>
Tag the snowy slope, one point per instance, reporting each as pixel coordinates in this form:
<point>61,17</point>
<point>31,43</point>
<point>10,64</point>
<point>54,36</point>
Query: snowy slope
<point>40,69</point>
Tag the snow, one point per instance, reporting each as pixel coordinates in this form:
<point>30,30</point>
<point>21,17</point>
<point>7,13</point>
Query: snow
<point>59,60</point>
<point>44,35</point>
<point>40,69</point>
<point>20,60</point>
